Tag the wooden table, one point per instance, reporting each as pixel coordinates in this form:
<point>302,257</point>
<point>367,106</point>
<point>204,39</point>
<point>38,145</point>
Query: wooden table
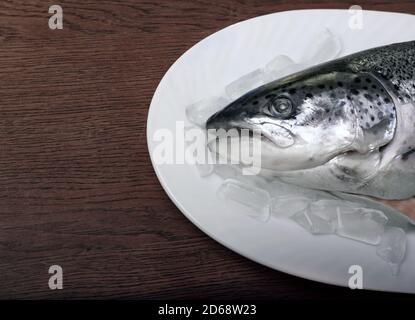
<point>76,185</point>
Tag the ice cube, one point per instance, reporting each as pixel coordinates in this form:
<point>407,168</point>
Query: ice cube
<point>246,83</point>
<point>361,224</point>
<point>278,63</point>
<point>198,112</point>
<point>205,164</point>
<point>326,46</point>
<point>247,199</point>
<point>204,169</point>
<point>313,223</point>
<point>395,218</point>
<point>328,208</point>
<point>197,151</point>
<point>225,171</point>
<point>392,247</point>
<point>288,70</point>
<point>288,205</point>
<point>277,188</point>
<point>253,180</point>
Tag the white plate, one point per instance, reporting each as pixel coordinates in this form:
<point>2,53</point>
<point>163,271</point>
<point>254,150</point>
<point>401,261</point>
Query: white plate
<point>219,59</point>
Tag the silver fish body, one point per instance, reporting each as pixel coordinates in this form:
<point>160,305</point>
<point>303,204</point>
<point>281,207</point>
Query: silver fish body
<point>346,125</point>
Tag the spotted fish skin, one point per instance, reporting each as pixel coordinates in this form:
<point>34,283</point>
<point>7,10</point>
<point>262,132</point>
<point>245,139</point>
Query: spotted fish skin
<point>393,64</point>
<point>351,123</point>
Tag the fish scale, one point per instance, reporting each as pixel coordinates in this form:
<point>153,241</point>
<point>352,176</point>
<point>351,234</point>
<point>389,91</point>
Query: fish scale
<point>394,64</point>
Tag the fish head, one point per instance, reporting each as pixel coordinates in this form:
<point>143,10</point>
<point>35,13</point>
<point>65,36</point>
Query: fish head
<point>306,119</point>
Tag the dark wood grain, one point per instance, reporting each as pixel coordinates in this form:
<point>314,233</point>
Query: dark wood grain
<point>76,184</point>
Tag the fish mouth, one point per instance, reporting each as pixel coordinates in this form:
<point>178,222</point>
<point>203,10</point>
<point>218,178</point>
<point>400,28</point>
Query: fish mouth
<point>280,137</point>
<point>276,135</point>
<point>268,131</point>
<point>247,142</point>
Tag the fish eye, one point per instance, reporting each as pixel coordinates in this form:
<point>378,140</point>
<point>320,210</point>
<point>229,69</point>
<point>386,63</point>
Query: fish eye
<point>280,107</point>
